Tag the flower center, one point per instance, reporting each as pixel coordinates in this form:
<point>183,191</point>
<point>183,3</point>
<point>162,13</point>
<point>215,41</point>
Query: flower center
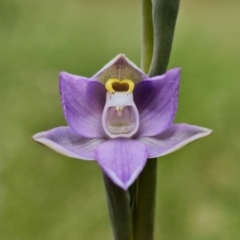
<point>120,115</point>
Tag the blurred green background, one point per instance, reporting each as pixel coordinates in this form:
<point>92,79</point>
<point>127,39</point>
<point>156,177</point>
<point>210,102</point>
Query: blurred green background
<point>47,196</point>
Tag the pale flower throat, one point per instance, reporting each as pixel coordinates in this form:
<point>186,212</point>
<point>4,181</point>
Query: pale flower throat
<point>120,116</point>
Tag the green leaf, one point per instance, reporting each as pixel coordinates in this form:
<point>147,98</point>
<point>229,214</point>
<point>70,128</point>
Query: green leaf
<point>147,35</point>
<point>164,15</point>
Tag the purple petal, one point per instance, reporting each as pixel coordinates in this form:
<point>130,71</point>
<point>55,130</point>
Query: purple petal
<point>122,160</point>
<point>157,101</point>
<point>121,68</point>
<point>174,138</point>
<point>66,142</point>
<point>83,102</point>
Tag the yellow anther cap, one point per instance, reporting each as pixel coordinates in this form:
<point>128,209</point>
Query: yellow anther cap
<point>116,85</point>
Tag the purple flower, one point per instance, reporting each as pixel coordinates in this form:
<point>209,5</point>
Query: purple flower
<point>120,117</point>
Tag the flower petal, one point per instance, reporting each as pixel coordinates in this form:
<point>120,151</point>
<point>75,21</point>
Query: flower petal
<point>66,142</point>
<point>122,160</point>
<point>121,68</point>
<point>174,138</point>
<point>157,101</point>
<point>83,102</point>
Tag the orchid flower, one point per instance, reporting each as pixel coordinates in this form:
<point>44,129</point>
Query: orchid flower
<point>120,117</point>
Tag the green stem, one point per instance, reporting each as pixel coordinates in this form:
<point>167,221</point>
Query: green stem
<point>146,183</point>
<point>144,218</point>
<point>132,193</point>
<point>119,210</point>
<point>147,35</point>
<point>159,19</point>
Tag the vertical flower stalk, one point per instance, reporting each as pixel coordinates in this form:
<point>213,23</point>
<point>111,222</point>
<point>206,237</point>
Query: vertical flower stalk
<point>159,18</point>
<point>119,210</point>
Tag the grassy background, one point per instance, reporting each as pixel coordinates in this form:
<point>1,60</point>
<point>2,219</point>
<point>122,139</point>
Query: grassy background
<point>47,196</point>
